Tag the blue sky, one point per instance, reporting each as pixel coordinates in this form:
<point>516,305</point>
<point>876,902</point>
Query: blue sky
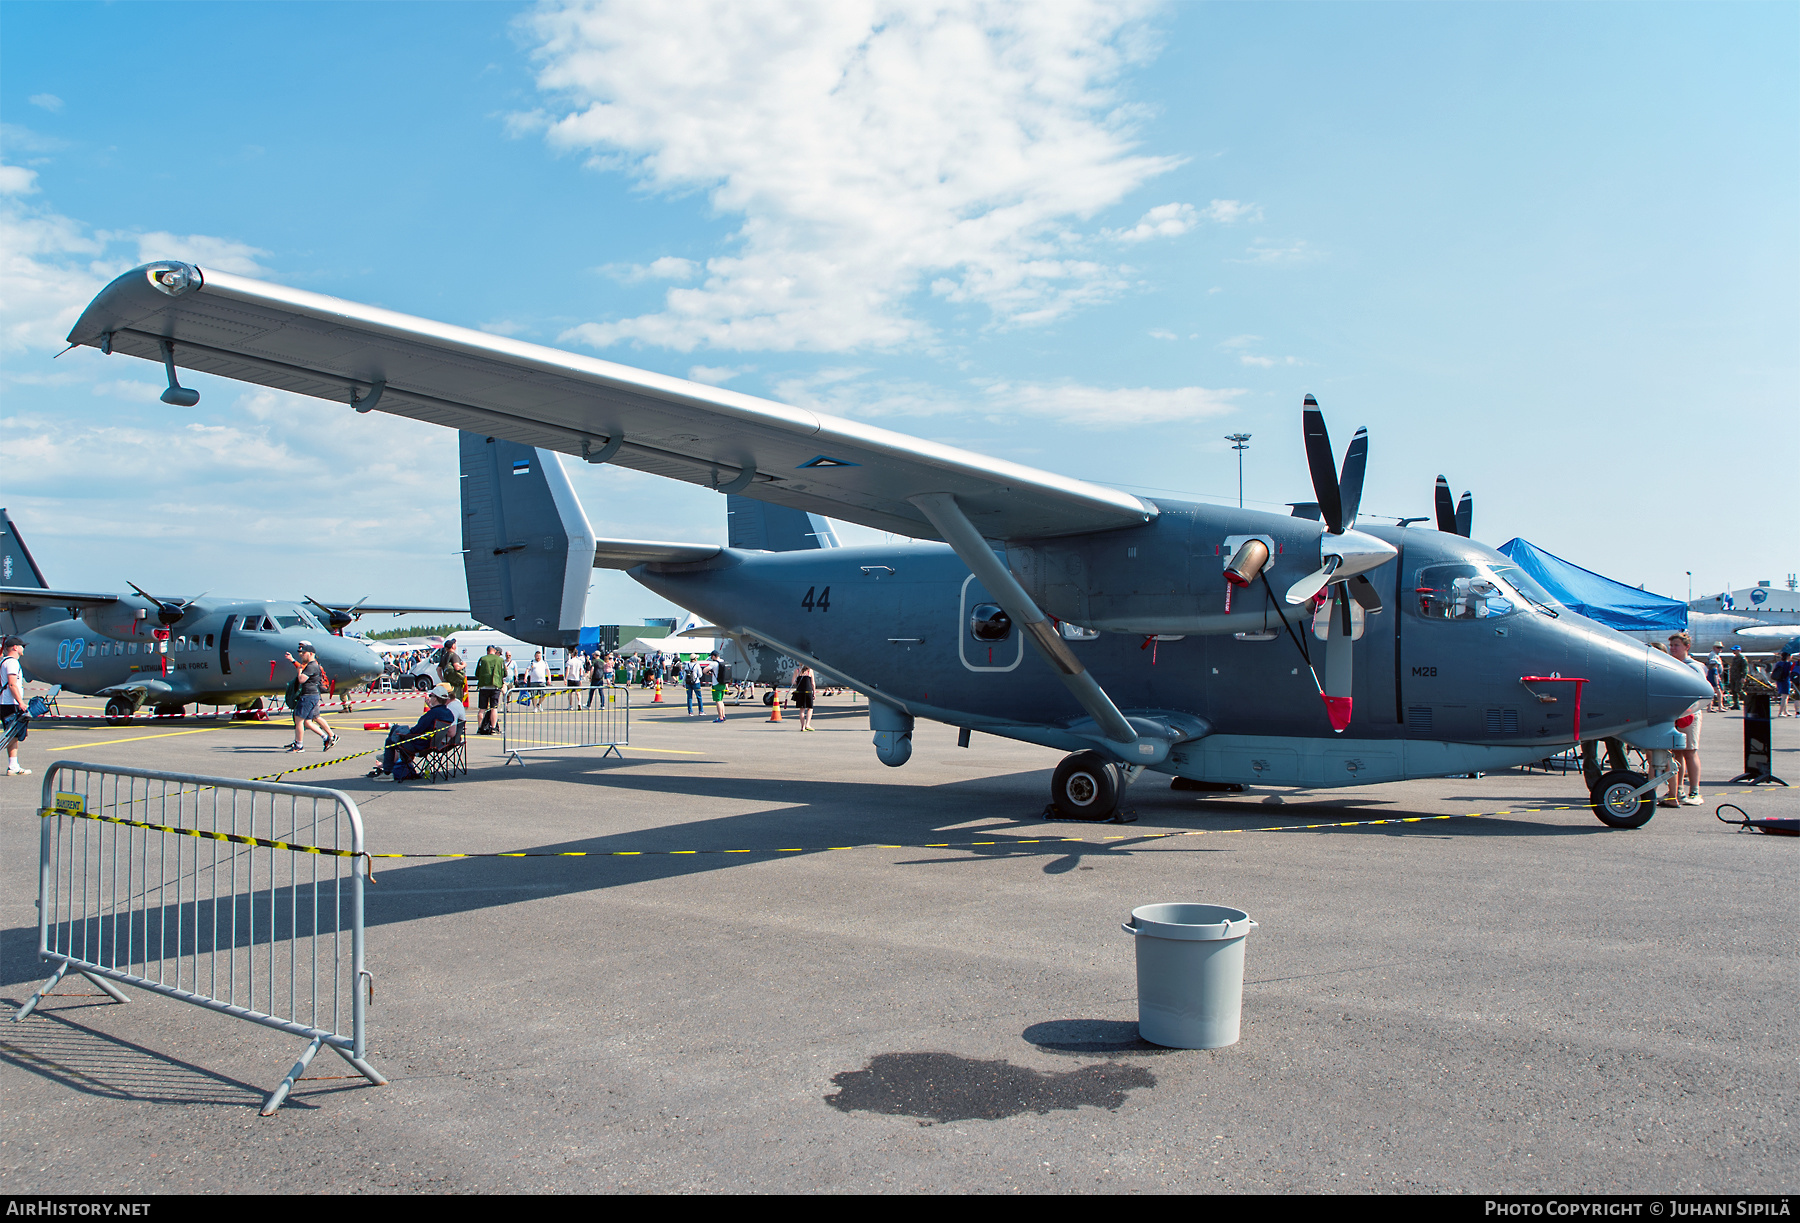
<point>1550,251</point>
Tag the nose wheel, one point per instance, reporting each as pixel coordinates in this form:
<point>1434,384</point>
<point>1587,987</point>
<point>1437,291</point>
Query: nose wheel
<point>1086,786</point>
<point>1615,800</point>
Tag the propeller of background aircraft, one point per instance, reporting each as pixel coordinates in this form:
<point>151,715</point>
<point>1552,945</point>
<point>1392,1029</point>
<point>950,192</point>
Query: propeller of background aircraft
<point>168,611</point>
<point>339,618</point>
<point>1458,519</point>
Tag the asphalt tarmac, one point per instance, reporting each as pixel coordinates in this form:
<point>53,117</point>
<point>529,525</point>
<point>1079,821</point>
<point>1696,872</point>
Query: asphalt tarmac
<point>1521,1002</point>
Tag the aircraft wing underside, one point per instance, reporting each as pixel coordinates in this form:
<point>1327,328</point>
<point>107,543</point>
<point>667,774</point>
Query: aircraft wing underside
<point>332,349</point>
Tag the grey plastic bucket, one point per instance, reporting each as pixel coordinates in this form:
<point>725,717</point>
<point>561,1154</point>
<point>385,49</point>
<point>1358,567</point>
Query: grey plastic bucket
<point>1190,969</point>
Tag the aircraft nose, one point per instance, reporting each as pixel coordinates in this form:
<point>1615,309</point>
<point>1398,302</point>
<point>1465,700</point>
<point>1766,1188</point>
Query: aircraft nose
<point>1670,687</point>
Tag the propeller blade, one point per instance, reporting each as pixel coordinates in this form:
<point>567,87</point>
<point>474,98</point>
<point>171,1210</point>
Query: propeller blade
<point>1304,509</point>
<point>1363,591</point>
<point>145,593</point>
<point>1446,508</point>
<point>1338,657</point>
<point>1320,464</point>
<point>1465,515</point>
<point>1310,585</point>
<point>1350,484</point>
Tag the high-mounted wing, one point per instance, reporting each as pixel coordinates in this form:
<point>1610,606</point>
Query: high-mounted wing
<point>22,598</point>
<point>376,359</point>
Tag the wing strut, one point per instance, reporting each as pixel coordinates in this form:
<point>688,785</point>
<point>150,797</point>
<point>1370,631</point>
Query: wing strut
<point>947,516</point>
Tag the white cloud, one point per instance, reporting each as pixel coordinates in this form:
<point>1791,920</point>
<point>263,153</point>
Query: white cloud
<point>871,148</point>
<point>1160,334</point>
<point>669,267</point>
<point>503,326</point>
<point>717,375</point>
<point>1227,212</point>
<point>46,101</point>
<point>1163,221</point>
<point>1268,252</point>
<point>220,254</point>
<point>1067,403</point>
<point>17,180</point>
<point>1239,341</point>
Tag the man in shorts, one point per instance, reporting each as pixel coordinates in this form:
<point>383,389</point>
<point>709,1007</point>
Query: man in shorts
<point>13,704</point>
<point>312,689</point>
<point>490,679</point>
<point>1689,724</point>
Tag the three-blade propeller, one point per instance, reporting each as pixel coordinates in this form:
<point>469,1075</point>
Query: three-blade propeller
<point>168,611</point>
<point>1457,518</point>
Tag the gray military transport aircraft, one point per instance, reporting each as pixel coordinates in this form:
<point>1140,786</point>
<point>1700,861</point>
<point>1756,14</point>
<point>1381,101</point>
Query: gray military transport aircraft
<point>141,649</point>
<point>1205,642</point>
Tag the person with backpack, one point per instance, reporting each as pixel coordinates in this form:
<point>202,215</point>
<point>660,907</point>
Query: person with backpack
<point>306,690</point>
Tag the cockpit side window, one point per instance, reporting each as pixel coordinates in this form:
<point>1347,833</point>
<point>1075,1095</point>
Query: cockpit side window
<point>1461,592</point>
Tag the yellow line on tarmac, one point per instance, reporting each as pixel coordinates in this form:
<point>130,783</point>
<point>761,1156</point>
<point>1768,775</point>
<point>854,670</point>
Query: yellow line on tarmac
<point>69,747</point>
<point>674,751</point>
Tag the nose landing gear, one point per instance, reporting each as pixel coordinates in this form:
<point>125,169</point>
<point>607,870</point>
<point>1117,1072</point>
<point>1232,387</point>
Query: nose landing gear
<point>1615,799</point>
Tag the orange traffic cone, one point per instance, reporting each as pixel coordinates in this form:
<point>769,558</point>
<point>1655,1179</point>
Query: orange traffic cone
<point>775,709</point>
<point>656,699</point>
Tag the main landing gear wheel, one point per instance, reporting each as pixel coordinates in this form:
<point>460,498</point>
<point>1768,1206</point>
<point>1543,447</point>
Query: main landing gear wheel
<point>119,711</point>
<point>171,711</point>
<point>769,697</point>
<point>1086,786</point>
<point>423,683</point>
<point>1613,801</point>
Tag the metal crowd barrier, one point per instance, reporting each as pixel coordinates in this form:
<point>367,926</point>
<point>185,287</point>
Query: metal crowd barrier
<point>553,719</point>
<point>244,897</point>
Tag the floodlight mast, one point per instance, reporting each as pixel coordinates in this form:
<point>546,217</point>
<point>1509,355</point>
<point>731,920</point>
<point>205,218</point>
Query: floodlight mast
<point>1240,443</point>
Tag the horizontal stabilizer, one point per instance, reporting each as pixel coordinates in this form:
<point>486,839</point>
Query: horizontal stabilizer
<point>630,553</point>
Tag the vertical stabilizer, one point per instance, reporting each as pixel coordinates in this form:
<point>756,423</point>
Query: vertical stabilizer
<point>528,551</point>
<point>16,566</point>
<point>760,527</point>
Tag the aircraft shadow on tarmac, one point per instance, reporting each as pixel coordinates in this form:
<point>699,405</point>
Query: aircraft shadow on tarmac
<point>808,814</point>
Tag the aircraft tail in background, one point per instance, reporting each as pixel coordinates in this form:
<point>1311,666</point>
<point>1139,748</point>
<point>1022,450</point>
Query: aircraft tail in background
<point>17,569</point>
<point>528,551</point>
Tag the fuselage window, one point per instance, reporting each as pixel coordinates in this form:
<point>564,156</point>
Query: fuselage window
<point>289,621</point>
<point>1461,592</point>
<point>131,648</point>
<point>209,641</point>
<point>987,622</point>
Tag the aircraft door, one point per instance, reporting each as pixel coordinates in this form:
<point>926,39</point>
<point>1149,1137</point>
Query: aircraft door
<point>225,646</point>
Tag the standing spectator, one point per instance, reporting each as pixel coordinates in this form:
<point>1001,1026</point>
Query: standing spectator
<point>311,678</point>
<point>1736,667</point>
<point>803,695</point>
<point>1783,675</point>
<point>13,704</point>
<point>490,681</point>
<point>1689,725</point>
<point>573,672</point>
<point>538,676</point>
<point>452,670</point>
<point>690,679</point>
<point>718,687</point>
<point>1715,675</point>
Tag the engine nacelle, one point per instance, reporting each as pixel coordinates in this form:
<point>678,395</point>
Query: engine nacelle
<point>1168,575</point>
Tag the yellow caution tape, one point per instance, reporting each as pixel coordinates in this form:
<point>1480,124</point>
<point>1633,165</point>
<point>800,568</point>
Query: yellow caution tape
<point>75,813</point>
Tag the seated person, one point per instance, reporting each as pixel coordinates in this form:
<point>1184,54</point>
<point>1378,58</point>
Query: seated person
<point>404,744</point>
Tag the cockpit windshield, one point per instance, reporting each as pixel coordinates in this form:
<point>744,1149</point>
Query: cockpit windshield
<point>1462,592</point>
<point>1526,585</point>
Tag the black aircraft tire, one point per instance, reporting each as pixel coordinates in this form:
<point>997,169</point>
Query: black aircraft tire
<point>769,697</point>
<point>1612,801</point>
<point>1085,787</point>
<point>118,711</point>
<point>423,683</point>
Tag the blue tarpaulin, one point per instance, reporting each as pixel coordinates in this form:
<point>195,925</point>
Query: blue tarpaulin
<point>1613,604</point>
